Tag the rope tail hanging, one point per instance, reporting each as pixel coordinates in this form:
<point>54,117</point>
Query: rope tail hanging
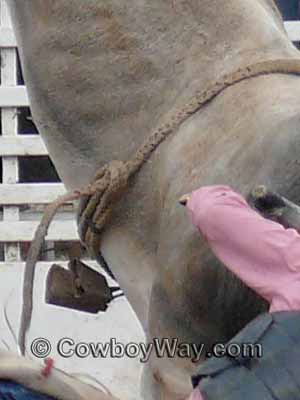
<point>32,258</point>
<point>111,181</point>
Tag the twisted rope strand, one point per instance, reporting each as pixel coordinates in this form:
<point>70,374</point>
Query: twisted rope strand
<point>123,171</point>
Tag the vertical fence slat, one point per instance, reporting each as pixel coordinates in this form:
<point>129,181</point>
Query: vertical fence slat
<point>9,127</point>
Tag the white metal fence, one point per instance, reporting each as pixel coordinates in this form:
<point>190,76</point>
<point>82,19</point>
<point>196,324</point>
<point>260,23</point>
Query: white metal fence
<point>15,230</point>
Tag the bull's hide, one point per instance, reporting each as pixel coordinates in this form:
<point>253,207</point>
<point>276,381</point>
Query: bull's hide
<point>101,76</point>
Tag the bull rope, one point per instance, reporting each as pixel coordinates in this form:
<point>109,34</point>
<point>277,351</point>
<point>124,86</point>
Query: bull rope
<point>111,181</point>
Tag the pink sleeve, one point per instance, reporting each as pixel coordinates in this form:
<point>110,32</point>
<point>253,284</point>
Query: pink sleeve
<point>262,253</point>
<point>195,395</point>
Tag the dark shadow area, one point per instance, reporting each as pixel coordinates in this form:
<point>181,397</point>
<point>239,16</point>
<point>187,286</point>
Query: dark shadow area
<point>20,78</point>
<point>26,125</point>
<point>290,9</point>
<point>297,44</point>
<point>1,252</point>
<point>37,170</point>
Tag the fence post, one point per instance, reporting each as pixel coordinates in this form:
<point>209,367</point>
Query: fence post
<point>9,128</point>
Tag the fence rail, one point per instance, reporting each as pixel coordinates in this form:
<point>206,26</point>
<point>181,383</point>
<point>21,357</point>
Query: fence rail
<point>293,30</point>
<point>23,231</point>
<point>7,37</point>
<point>13,96</point>
<point>29,145</point>
<point>30,193</point>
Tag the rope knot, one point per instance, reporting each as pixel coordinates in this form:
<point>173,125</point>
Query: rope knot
<point>95,209</point>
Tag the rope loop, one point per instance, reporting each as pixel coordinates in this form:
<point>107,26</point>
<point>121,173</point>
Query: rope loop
<point>107,188</point>
<point>112,179</point>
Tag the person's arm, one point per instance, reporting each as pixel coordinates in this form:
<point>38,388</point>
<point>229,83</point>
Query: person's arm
<point>262,253</point>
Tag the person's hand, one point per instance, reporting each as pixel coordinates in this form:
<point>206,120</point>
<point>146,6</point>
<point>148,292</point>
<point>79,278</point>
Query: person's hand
<point>184,199</point>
